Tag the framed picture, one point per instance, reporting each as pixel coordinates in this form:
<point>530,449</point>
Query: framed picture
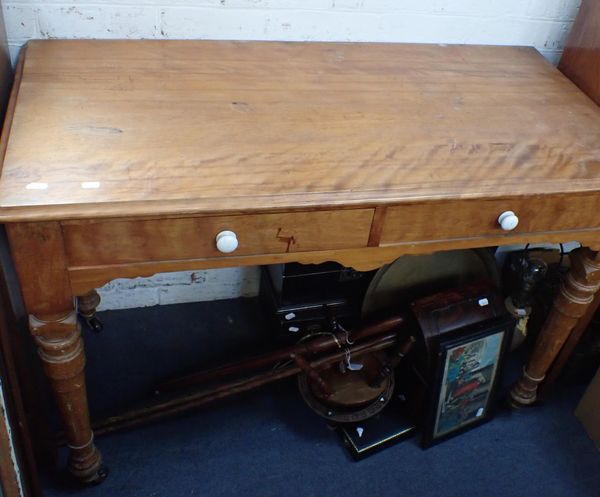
<point>464,381</point>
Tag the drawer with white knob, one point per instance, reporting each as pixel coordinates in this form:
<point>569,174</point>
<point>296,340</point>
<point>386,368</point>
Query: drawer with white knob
<point>128,241</point>
<point>469,218</point>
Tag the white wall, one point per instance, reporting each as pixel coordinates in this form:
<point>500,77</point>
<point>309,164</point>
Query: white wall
<point>543,24</point>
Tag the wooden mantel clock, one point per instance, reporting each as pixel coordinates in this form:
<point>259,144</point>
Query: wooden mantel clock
<point>128,158</point>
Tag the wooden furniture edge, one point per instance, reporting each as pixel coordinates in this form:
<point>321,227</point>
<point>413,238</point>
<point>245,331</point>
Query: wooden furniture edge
<point>264,204</point>
<point>12,102</point>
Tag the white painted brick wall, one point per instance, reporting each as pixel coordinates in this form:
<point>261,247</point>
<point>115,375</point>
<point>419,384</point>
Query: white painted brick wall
<point>543,24</point>
<point>176,288</point>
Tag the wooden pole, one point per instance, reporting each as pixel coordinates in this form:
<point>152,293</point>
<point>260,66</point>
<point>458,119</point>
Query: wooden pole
<point>163,409</point>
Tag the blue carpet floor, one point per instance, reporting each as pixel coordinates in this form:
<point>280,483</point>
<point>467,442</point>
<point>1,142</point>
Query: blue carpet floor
<point>268,443</point>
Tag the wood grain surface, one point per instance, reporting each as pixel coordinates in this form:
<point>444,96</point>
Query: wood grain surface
<point>40,262</point>
<point>111,128</point>
<point>458,219</point>
<point>115,242</point>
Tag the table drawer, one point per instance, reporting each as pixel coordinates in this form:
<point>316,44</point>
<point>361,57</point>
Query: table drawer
<point>447,220</point>
<point>91,243</point>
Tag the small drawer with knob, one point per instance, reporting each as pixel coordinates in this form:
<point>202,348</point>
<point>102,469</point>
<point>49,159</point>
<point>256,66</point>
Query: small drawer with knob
<point>129,241</point>
<point>472,218</point>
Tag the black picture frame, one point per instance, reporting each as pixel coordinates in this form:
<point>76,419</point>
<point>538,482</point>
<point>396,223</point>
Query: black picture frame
<point>467,367</point>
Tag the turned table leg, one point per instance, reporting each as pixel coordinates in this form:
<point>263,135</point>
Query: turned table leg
<point>575,296</point>
<point>40,261</point>
<point>60,348</point>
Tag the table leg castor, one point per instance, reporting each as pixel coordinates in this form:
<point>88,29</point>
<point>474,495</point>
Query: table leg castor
<point>86,305</point>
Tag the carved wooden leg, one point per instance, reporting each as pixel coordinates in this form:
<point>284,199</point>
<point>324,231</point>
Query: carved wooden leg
<point>575,295</point>
<point>61,349</point>
<point>42,266</point>
<point>86,305</point>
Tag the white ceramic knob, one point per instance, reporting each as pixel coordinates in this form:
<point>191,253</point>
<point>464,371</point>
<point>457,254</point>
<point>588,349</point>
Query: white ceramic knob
<point>227,242</point>
<point>508,220</point>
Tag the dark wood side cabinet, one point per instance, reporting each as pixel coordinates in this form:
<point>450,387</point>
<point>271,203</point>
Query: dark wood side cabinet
<point>580,61</point>
<point>18,472</point>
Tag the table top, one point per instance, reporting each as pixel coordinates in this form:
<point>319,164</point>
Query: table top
<point>145,128</point>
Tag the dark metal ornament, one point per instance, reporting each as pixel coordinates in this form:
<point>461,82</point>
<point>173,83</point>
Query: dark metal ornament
<point>355,395</point>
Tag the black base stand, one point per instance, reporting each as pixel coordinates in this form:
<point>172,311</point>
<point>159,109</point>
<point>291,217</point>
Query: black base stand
<point>367,437</point>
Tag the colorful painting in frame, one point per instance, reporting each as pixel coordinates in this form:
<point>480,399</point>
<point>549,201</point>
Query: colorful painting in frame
<point>465,381</point>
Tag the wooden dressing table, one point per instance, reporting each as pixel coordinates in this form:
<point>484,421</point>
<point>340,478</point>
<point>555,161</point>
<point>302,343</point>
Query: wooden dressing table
<point>128,158</point>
